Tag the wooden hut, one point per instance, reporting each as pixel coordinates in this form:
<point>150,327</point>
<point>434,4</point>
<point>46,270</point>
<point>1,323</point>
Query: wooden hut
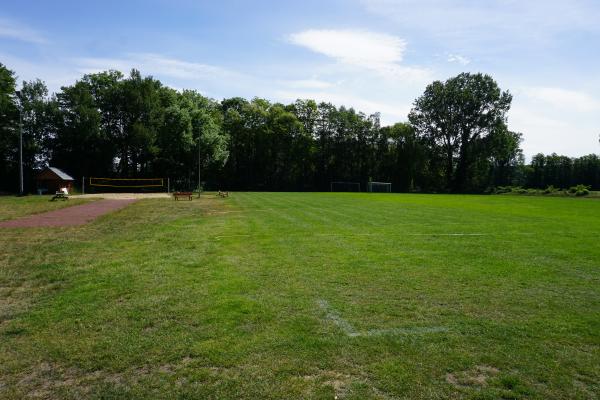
<point>51,179</point>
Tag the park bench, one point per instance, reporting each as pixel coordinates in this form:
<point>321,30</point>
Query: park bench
<point>223,194</point>
<point>60,195</point>
<point>185,195</point>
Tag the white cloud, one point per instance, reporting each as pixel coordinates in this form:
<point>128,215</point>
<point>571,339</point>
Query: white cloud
<point>211,80</point>
<point>549,126</point>
<point>465,19</point>
<point>458,59</point>
<point>378,52</point>
<point>154,64</point>
<point>14,30</point>
<point>564,99</point>
<point>352,46</point>
<point>308,84</point>
<point>54,74</point>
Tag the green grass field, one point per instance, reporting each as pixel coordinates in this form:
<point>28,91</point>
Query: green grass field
<point>306,295</point>
<point>13,207</point>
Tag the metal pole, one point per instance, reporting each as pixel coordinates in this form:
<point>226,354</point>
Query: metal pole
<point>21,188</point>
<point>199,167</point>
<point>83,185</point>
<point>168,185</point>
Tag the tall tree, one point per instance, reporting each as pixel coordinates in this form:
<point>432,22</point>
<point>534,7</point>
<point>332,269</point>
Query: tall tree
<point>9,116</point>
<point>207,133</point>
<point>82,144</point>
<point>37,113</point>
<point>454,116</point>
<point>506,157</point>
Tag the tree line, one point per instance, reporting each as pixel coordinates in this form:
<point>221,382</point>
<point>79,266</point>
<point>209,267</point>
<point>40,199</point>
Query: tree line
<point>109,124</point>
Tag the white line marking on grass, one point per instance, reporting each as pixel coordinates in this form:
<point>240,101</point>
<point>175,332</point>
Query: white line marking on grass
<point>348,234</point>
<point>448,234</point>
<point>229,236</point>
<point>336,318</point>
<point>405,331</point>
<point>400,234</point>
<point>346,327</point>
<point>420,234</point>
<point>371,234</point>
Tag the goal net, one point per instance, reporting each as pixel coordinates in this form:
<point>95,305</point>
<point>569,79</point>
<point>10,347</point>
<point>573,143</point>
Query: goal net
<point>345,186</point>
<point>126,184</point>
<point>381,187</point>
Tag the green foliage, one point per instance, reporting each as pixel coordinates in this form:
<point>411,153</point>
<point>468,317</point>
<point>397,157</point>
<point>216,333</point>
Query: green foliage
<point>135,126</point>
<point>458,119</point>
<point>550,189</point>
<point>9,118</point>
<point>111,124</point>
<point>505,189</point>
<point>580,190</point>
<point>563,171</point>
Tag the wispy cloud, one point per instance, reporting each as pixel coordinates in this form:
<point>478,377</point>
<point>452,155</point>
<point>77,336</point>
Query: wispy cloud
<point>456,58</point>
<point>14,30</point>
<point>357,47</point>
<point>211,80</point>
<point>374,51</point>
<point>493,25</point>
<point>307,84</point>
<point>564,99</point>
<point>155,64</point>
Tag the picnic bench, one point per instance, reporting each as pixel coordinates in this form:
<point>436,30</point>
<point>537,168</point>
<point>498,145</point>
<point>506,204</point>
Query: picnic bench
<point>223,194</point>
<point>184,195</point>
<point>60,195</point>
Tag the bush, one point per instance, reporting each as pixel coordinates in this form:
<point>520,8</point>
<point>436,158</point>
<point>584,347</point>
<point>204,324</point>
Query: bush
<point>502,189</point>
<point>580,190</point>
<point>520,190</point>
<point>550,189</point>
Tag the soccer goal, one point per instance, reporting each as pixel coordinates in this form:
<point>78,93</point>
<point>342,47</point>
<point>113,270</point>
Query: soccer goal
<point>345,186</point>
<point>127,184</point>
<point>380,187</point>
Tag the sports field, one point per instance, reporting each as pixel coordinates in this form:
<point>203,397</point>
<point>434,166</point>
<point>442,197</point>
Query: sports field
<point>305,295</point>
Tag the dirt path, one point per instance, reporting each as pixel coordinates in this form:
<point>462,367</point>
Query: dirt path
<point>68,216</point>
<point>123,196</point>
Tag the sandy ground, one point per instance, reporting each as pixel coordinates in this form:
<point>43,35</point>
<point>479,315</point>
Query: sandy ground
<point>122,196</point>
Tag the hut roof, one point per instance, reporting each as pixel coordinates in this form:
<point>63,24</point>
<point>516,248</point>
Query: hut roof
<point>61,174</point>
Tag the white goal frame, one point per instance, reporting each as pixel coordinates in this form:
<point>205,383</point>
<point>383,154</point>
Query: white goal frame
<point>386,185</point>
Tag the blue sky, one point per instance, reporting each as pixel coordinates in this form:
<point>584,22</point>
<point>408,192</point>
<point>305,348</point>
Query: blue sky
<point>374,55</point>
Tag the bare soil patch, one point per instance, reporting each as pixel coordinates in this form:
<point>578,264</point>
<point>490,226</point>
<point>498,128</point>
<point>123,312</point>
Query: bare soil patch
<point>122,196</point>
<point>69,216</point>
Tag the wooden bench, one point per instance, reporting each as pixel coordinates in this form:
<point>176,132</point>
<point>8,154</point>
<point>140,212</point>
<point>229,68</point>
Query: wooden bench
<point>60,195</point>
<point>184,195</point>
<point>223,194</point>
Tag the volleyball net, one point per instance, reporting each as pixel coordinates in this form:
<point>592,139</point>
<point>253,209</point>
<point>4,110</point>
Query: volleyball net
<point>127,184</point>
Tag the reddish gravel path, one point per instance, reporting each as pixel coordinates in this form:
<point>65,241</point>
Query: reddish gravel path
<point>68,216</point>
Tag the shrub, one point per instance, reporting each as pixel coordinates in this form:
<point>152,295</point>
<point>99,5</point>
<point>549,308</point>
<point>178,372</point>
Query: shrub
<point>502,189</point>
<point>550,189</point>
<point>580,190</point>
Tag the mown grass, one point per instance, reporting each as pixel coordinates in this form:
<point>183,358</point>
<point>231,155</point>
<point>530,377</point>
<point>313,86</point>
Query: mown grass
<point>13,207</point>
<point>257,296</point>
